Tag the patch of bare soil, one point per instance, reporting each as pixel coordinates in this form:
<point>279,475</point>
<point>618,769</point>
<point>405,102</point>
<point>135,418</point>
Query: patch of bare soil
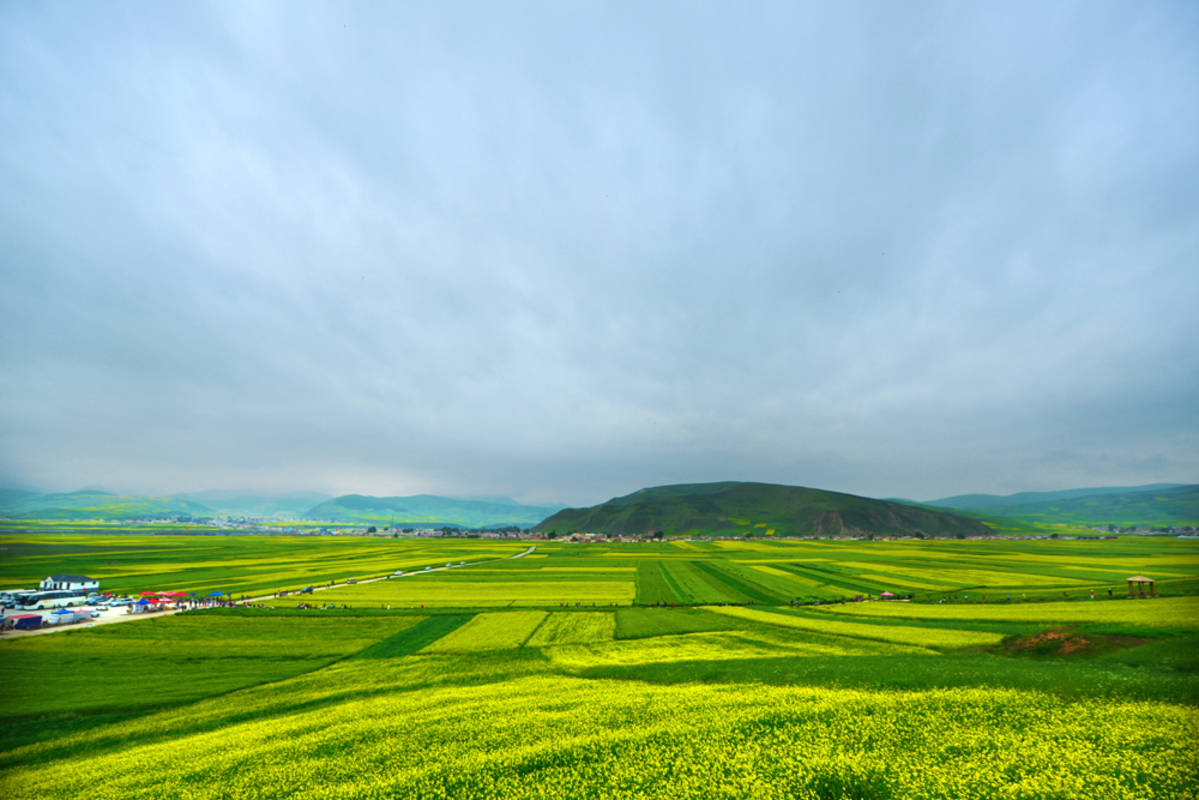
<point>1067,643</point>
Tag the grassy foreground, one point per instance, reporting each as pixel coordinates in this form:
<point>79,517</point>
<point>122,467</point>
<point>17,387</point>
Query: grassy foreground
<point>1060,698</point>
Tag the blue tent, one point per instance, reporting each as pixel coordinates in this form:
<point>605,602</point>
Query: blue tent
<point>216,594</point>
<point>142,602</point>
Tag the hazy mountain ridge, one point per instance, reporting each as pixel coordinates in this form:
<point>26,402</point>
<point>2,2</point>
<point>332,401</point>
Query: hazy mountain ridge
<point>1152,505</point>
<point>89,504</point>
<point>233,502</point>
<point>685,506</point>
<point>971,501</point>
<point>422,510</point>
<point>738,508</point>
<point>427,509</point>
<point>12,497</point>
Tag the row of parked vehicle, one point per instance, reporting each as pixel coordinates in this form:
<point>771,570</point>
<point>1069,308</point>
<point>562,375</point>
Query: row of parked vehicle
<point>29,600</point>
<point>59,616</point>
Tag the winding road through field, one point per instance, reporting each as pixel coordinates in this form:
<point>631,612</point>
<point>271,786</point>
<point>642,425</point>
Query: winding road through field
<point>122,614</point>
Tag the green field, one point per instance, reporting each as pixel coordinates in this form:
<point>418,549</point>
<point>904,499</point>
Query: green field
<point>782,572</point>
<point>232,564</point>
<point>679,572</point>
<point>509,683</point>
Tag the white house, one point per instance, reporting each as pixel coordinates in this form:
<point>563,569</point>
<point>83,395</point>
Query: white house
<point>69,582</point>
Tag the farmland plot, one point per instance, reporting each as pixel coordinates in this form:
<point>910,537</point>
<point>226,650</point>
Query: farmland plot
<point>574,628</point>
<point>911,635</point>
<point>489,631</point>
<point>863,700</point>
<point>1161,612</point>
<point>463,591</point>
<point>557,736</point>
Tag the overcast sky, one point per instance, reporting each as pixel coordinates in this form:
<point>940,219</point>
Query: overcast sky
<point>563,251</point>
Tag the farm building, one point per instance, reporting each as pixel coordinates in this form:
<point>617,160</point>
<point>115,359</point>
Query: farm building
<point>69,582</point>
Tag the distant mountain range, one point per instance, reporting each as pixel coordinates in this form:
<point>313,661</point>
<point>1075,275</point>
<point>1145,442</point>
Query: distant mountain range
<point>1155,504</point>
<point>1022,498</point>
<point>92,504</point>
<point>234,503</point>
<point>417,511</point>
<point>736,509</point>
<point>712,508</point>
<point>427,509</point>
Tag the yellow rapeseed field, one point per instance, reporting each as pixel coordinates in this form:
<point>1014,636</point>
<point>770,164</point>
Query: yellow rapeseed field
<point>561,737</point>
<point>510,683</point>
<point>1159,612</point>
<point>901,634</point>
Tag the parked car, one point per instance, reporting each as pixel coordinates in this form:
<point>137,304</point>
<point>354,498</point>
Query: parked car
<point>397,573</point>
<point>306,590</point>
<point>351,580</point>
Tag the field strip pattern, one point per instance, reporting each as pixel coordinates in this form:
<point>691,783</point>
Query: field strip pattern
<point>913,635</point>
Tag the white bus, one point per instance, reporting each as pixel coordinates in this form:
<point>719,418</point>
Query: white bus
<point>59,599</point>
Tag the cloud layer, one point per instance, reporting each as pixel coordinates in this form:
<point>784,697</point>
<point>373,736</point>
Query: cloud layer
<point>564,251</point>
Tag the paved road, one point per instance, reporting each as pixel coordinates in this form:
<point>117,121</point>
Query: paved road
<point>112,615</point>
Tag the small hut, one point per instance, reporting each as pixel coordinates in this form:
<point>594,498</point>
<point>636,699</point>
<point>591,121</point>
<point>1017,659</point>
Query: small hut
<point>1136,586</point>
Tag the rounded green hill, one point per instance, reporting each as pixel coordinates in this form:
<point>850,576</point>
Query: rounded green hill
<point>737,508</point>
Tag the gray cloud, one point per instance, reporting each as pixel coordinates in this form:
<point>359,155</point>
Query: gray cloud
<point>564,251</point>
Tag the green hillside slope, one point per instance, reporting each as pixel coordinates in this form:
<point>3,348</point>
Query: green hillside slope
<point>735,508</point>
<point>426,509</point>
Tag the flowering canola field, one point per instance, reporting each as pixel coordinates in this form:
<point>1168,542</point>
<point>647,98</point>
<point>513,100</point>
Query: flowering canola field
<point>557,736</point>
<point>555,698</point>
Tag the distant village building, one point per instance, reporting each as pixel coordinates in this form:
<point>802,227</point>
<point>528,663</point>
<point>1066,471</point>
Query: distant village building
<point>69,582</point>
